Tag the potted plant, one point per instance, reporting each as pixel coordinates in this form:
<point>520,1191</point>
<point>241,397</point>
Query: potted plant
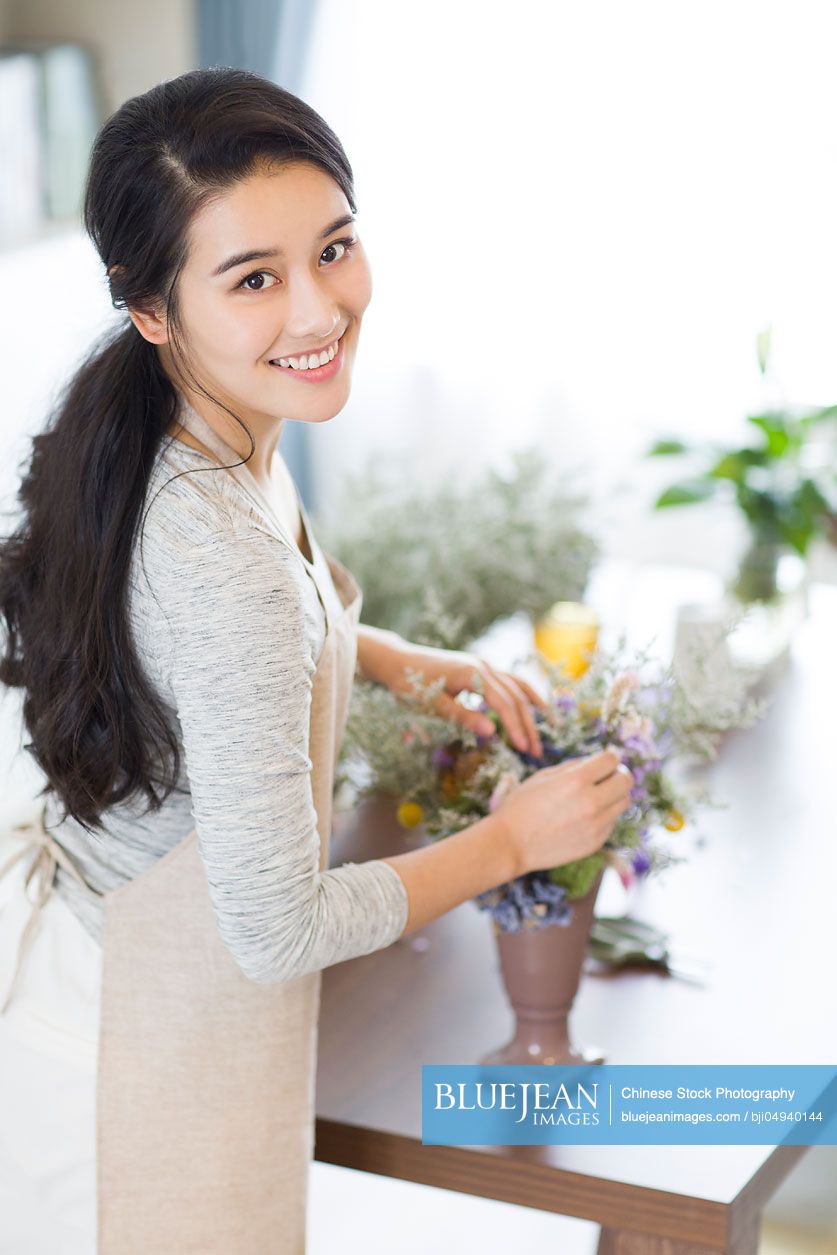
<point>441,562</point>
<point>786,495</point>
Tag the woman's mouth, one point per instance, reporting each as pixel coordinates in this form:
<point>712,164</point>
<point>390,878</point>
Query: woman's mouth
<point>312,374</point>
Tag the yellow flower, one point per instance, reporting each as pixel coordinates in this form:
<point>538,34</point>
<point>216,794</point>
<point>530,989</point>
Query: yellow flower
<point>410,814</point>
<point>674,822</point>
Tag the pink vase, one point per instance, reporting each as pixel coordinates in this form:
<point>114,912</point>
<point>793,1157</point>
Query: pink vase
<point>541,970</point>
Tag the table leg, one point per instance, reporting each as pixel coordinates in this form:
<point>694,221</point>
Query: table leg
<point>624,1242</point>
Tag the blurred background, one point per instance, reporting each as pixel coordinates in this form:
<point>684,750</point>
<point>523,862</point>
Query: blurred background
<point>579,218</point>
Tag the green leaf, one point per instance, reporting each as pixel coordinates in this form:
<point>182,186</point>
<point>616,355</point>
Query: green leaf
<point>688,492</point>
<point>735,465</point>
<point>763,347</point>
<point>667,448</point>
<point>577,877</point>
<point>776,431</point>
<point>798,536</point>
<point>760,508</point>
<point>819,416</point>
<point>810,499</point>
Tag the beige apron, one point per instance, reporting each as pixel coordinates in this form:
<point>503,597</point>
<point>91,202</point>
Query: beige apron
<point>205,1086</point>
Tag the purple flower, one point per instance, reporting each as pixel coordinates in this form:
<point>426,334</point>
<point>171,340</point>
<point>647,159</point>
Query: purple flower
<point>532,901</point>
<point>506,917</point>
<point>639,745</point>
<point>641,862</point>
<point>442,757</point>
<point>548,891</point>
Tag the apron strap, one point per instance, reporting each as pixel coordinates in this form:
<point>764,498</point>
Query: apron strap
<point>49,854</point>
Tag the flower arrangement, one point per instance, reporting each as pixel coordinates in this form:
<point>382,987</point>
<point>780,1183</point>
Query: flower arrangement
<point>446,777</point>
<point>490,546</point>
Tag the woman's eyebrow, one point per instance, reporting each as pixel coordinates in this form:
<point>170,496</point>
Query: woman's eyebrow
<point>254,254</point>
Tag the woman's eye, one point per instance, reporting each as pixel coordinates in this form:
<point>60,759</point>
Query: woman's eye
<point>258,287</point>
<point>256,280</point>
<point>346,246</point>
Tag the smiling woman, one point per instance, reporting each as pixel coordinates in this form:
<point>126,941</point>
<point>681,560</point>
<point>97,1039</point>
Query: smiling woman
<point>186,651</point>
<point>254,335</point>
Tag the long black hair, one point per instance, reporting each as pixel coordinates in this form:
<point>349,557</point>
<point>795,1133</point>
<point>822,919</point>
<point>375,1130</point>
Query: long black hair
<point>96,727</point>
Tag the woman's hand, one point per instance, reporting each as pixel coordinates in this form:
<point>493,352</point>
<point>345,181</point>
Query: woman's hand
<point>565,812</point>
<point>389,658</point>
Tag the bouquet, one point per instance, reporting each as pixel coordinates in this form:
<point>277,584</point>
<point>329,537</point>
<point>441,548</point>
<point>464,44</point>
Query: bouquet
<point>447,777</point>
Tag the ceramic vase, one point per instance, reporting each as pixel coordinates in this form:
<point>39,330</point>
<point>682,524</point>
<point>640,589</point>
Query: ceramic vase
<point>541,972</point>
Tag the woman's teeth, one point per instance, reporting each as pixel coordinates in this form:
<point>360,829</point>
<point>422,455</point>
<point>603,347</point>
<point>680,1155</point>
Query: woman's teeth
<point>310,361</point>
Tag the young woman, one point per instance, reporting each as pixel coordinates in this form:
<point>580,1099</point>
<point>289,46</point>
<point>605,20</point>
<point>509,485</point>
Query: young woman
<point>186,652</point>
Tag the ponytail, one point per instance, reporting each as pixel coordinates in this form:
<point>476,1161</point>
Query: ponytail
<point>64,583</point>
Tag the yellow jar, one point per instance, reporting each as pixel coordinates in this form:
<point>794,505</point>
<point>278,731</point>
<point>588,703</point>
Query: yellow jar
<point>567,636</point>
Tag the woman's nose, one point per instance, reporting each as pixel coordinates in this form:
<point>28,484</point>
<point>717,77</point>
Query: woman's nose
<point>311,314</point>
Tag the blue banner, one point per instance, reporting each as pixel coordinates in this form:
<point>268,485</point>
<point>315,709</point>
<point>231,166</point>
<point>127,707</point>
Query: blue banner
<point>630,1105</point>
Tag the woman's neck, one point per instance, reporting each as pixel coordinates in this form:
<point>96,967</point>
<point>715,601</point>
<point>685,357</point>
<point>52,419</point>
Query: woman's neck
<point>259,463</point>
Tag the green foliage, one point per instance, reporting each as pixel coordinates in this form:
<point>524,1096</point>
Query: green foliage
<point>666,448</point>
<point>577,877</point>
<point>783,500</point>
<point>687,492</point>
<point>440,563</point>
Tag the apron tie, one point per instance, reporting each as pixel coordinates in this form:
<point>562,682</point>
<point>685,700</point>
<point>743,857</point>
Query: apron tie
<point>49,854</point>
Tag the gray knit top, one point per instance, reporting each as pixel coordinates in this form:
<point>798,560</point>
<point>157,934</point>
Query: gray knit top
<point>228,626</point>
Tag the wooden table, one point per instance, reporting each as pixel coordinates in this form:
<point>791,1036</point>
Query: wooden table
<point>756,899</point>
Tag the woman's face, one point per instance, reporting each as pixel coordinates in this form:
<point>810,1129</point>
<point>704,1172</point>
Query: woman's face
<point>303,286</point>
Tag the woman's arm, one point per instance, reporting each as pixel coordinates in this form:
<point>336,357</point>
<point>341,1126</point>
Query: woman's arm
<point>237,632</point>
<point>373,646</point>
<point>439,877</point>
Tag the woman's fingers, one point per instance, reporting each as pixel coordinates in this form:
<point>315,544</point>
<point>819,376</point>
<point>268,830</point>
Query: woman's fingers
<point>616,789</point>
<point>611,815</point>
<point>503,694</point>
<point>532,695</point>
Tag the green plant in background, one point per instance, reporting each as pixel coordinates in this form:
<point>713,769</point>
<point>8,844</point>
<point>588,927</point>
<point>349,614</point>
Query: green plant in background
<point>440,564</point>
<point>786,499</point>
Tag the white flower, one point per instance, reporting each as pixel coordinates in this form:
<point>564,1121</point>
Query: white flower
<point>621,686</point>
<point>636,725</point>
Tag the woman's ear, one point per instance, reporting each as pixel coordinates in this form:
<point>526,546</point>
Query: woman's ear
<point>151,324</point>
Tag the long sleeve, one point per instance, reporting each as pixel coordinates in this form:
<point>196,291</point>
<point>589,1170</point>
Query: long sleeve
<point>242,629</point>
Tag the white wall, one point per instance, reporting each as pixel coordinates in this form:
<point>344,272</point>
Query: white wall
<point>578,217</point>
